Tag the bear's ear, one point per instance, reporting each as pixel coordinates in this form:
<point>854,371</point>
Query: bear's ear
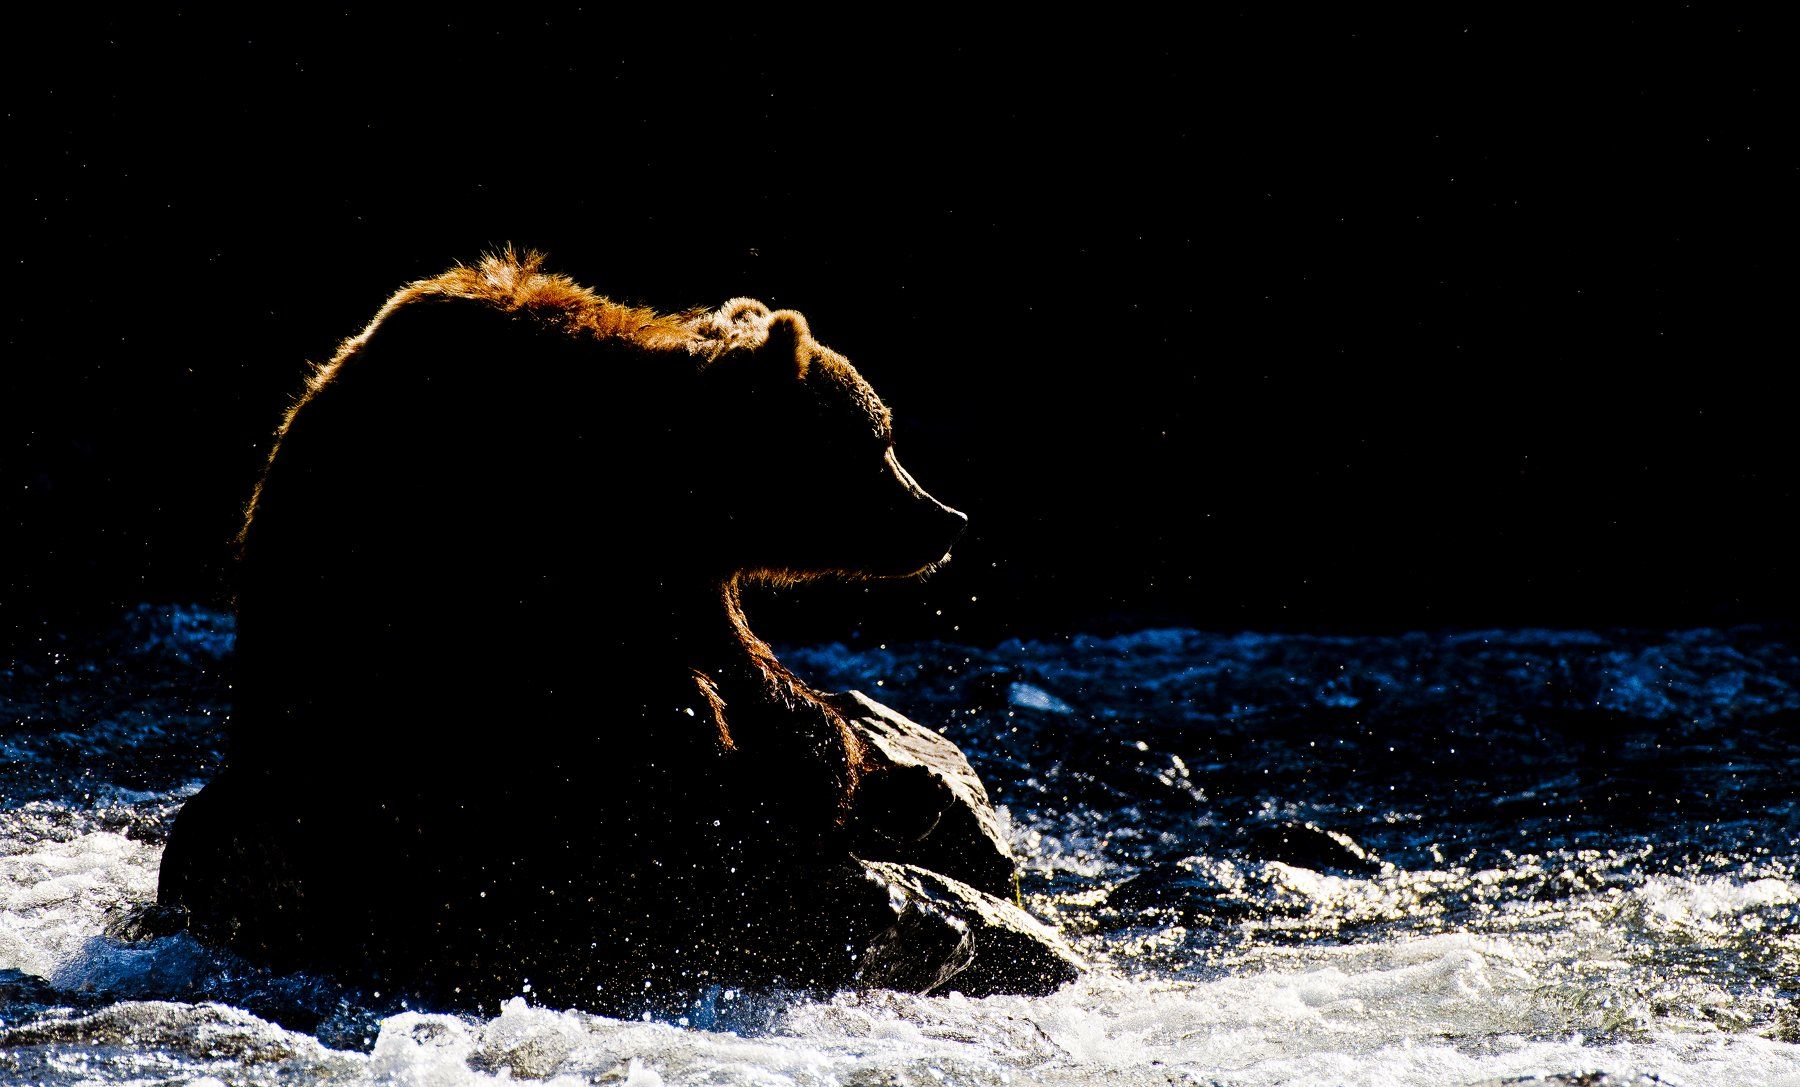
<point>787,326</point>
<point>743,311</point>
<point>787,338</point>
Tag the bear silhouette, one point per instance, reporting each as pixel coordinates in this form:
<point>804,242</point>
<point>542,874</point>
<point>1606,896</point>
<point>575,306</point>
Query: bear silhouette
<point>500,718</point>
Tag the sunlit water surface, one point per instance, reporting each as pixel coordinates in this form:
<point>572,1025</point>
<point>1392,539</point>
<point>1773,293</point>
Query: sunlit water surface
<point>1568,858</point>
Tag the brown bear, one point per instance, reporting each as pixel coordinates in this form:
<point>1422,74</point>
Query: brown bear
<point>500,719</point>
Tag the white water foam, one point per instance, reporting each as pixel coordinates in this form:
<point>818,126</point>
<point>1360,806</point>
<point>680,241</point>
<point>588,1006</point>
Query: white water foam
<point>1716,903</point>
<point>1454,1008</point>
<point>55,898</point>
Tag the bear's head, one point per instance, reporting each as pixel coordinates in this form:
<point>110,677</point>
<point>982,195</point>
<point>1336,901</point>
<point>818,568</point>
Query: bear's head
<point>802,480</point>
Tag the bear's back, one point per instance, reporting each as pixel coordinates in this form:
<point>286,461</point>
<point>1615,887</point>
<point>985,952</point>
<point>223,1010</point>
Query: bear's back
<point>426,543</point>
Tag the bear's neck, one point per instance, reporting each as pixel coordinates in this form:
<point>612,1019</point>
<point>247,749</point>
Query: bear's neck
<point>702,624</point>
<point>761,710</point>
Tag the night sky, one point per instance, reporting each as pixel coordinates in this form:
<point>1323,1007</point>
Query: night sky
<point>1240,322</point>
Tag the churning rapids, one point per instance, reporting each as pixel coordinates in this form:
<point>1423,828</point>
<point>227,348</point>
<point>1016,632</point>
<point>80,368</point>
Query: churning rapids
<point>1478,858</point>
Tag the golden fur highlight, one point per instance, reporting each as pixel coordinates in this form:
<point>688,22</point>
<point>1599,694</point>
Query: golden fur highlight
<point>516,282</point>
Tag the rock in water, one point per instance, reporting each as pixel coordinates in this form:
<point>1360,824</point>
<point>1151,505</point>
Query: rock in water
<point>1197,888</point>
<point>926,830</point>
<point>923,948</point>
<point>1308,845</point>
<point>921,802</point>
<point>1011,951</point>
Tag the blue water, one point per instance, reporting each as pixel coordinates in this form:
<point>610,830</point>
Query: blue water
<point>1470,858</point>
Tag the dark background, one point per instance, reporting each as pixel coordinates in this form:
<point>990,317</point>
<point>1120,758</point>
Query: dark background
<point>1249,321</point>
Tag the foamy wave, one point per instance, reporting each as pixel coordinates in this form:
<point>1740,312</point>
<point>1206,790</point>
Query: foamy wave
<point>55,898</point>
<point>1436,1012</point>
<point>1713,902</point>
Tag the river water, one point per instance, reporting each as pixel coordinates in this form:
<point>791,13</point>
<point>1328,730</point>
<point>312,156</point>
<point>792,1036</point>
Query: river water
<point>1496,857</point>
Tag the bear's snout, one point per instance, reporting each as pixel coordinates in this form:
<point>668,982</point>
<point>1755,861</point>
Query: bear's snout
<point>955,523</point>
<point>926,535</point>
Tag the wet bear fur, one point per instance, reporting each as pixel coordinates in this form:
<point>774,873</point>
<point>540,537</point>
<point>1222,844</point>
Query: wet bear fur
<point>500,718</point>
